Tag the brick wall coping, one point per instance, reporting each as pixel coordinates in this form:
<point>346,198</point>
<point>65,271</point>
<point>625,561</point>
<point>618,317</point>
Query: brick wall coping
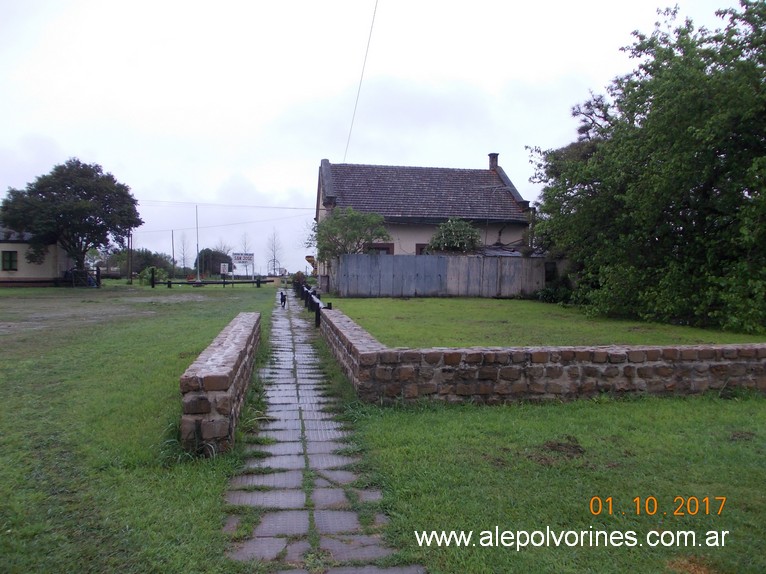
<point>506,374</point>
<point>214,386</point>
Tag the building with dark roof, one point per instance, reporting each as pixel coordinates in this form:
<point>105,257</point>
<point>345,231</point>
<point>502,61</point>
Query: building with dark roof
<point>15,270</point>
<point>415,200</point>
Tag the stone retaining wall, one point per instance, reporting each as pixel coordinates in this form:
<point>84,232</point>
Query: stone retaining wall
<point>502,375</point>
<point>213,388</point>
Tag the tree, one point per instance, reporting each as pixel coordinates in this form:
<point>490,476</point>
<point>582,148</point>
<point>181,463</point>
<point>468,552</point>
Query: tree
<point>210,260</point>
<point>661,204</point>
<point>455,235</point>
<point>76,205</point>
<point>347,231</point>
<point>274,249</point>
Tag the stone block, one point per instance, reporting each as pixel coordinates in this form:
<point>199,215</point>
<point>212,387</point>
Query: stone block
<point>539,356</point>
<point>636,356</point>
<point>214,428</point>
<point>617,356</point>
<point>688,354</point>
<point>600,356</point>
<point>368,359</point>
<point>452,358</point>
<point>473,357</point>
<point>195,403</point>
<point>488,373</point>
<point>510,373</point>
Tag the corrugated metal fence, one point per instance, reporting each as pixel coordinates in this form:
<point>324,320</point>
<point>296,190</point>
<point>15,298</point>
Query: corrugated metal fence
<point>436,276</point>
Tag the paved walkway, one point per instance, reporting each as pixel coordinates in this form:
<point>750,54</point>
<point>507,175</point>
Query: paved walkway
<point>313,514</point>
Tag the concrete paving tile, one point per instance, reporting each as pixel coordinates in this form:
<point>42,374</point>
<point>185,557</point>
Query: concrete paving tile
<point>326,498</point>
<point>292,498</point>
<point>323,447</point>
<point>325,435</point>
<point>280,424</point>
<point>354,547</point>
<point>295,552</point>
<point>339,476</point>
<point>276,448</point>
<point>286,435</point>
<point>313,424</point>
<point>289,479</point>
<point>317,415</point>
<point>336,521</point>
<point>283,523</point>
<point>328,461</point>
<point>265,548</point>
<point>284,461</point>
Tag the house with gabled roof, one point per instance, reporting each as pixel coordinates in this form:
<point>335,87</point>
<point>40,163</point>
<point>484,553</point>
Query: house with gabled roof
<point>415,200</point>
<point>16,271</point>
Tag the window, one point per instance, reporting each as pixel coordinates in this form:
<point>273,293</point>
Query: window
<point>380,248</point>
<point>10,260</point>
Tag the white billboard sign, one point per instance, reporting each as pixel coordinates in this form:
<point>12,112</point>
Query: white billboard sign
<point>243,258</point>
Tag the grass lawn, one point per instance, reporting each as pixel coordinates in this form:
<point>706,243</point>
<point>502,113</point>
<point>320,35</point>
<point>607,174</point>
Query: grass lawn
<point>91,476</point>
<point>532,467</point>
<point>460,322</point>
<point>535,467</point>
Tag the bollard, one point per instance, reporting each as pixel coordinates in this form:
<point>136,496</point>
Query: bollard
<point>170,284</point>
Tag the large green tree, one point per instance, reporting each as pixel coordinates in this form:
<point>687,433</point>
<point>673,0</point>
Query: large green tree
<point>661,204</point>
<point>76,205</point>
<point>347,231</point>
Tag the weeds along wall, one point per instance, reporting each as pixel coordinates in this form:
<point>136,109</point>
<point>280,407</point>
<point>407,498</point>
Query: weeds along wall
<point>214,387</point>
<point>504,375</point>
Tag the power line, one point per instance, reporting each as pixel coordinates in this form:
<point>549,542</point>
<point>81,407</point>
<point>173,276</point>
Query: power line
<point>248,206</point>
<point>359,90</point>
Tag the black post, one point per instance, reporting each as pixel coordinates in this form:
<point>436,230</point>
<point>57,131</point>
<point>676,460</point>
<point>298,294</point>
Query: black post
<point>317,316</point>
<point>152,274</point>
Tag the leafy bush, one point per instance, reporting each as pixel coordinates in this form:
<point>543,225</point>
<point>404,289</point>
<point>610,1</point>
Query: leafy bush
<point>455,235</point>
<point>145,277</point>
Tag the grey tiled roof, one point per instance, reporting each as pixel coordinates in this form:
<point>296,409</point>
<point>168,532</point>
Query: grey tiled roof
<point>422,194</point>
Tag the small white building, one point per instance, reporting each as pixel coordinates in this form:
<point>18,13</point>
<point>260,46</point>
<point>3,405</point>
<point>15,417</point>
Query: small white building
<point>16,271</point>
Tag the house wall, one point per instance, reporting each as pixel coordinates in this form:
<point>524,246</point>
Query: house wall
<point>406,237</point>
<point>507,375</point>
<point>49,271</point>
<point>436,276</point>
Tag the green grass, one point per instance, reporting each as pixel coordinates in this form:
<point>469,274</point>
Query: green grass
<point>532,467</point>
<point>91,476</point>
<point>459,322</point>
<point>528,467</point>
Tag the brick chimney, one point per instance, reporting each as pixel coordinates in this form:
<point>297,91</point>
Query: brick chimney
<point>493,161</point>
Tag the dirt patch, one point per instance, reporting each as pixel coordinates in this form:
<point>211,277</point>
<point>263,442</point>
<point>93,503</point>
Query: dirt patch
<point>738,436</point>
<point>690,565</point>
<point>553,451</point>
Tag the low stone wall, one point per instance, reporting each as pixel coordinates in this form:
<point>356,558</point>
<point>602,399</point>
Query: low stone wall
<point>502,375</point>
<point>213,388</point>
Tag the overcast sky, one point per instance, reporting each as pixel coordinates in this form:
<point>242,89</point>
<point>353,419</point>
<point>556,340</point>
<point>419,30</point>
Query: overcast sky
<point>230,106</point>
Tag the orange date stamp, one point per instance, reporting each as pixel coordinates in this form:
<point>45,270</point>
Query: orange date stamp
<point>650,506</point>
